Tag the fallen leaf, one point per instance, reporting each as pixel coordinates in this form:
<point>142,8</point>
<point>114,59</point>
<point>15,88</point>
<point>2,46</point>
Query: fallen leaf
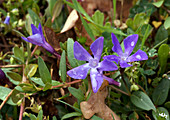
<point>70,22</point>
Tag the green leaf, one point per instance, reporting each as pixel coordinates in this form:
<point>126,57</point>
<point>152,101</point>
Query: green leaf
<point>18,53</point>
<point>63,66</point>
<point>68,115</point>
<point>86,26</point>
<point>35,18</point>
<point>142,101</point>
<point>161,114</point>
<point>27,87</point>
<point>54,118</point>
<point>40,115</point>
<point>158,3</point>
<point>94,117</point>
<point>57,9</point>
<point>14,76</point>
<point>28,23</point>
<point>43,71</point>
<point>98,17</point>
<point>149,72</point>
<point>4,93</point>
<point>160,93</point>
<point>16,96</point>
<point>77,93</point>
<point>163,53</point>
<point>161,35</point>
<point>32,117</point>
<point>30,70</point>
<point>51,4</point>
<point>167,23</point>
<point>70,53</point>
<point>47,86</point>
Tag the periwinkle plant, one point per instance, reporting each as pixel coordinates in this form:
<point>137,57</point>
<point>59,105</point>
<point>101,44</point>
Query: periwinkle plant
<point>96,68</point>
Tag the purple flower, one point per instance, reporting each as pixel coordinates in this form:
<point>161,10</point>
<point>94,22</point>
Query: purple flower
<point>96,68</point>
<point>124,57</point>
<point>2,75</point>
<point>7,20</point>
<point>38,39</point>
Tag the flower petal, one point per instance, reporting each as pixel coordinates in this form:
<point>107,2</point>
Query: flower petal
<point>107,65</point>
<point>129,43</point>
<point>35,39</point>
<point>112,58</point>
<point>124,64</point>
<point>96,79</point>
<point>80,53</point>
<point>7,20</point>
<point>48,47</point>
<point>41,32</point>
<point>97,48</point>
<point>79,72</point>
<point>34,29</point>
<point>138,56</point>
<point>116,48</point>
<point>111,81</point>
<point>25,39</point>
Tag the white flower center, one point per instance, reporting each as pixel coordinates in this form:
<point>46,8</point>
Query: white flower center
<point>132,43</point>
<point>93,63</point>
<point>138,56</point>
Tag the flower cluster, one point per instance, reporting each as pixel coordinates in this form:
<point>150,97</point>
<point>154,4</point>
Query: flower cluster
<point>96,68</point>
<point>93,63</point>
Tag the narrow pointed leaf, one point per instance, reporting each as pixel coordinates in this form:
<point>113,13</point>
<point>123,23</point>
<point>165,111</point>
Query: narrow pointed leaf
<point>63,66</point>
<point>43,71</point>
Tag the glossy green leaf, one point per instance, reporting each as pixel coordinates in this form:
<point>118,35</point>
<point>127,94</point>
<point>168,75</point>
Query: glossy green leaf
<point>73,114</point>
<point>4,93</point>
<point>30,70</point>
<point>160,93</point>
<point>14,76</point>
<point>35,18</point>
<point>47,86</point>
<point>167,23</point>
<point>18,53</point>
<point>142,101</point>
<point>57,9</point>
<point>161,114</point>
<point>163,53</point>
<point>149,72</point>
<point>161,35</point>
<point>158,3</point>
<point>43,71</point>
<point>70,53</point>
<point>16,96</point>
<point>77,93</point>
<point>63,66</point>
<point>27,87</point>
<point>32,116</point>
<point>94,117</point>
<point>40,115</point>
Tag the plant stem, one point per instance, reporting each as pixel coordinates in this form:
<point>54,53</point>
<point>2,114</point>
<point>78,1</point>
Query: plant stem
<point>119,90</point>
<point>122,72</point>
<point>22,109</point>
<point>2,104</point>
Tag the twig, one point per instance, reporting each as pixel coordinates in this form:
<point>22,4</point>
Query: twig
<point>10,66</point>
<point>2,104</point>
<point>66,84</point>
<point>119,90</point>
<point>22,109</point>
